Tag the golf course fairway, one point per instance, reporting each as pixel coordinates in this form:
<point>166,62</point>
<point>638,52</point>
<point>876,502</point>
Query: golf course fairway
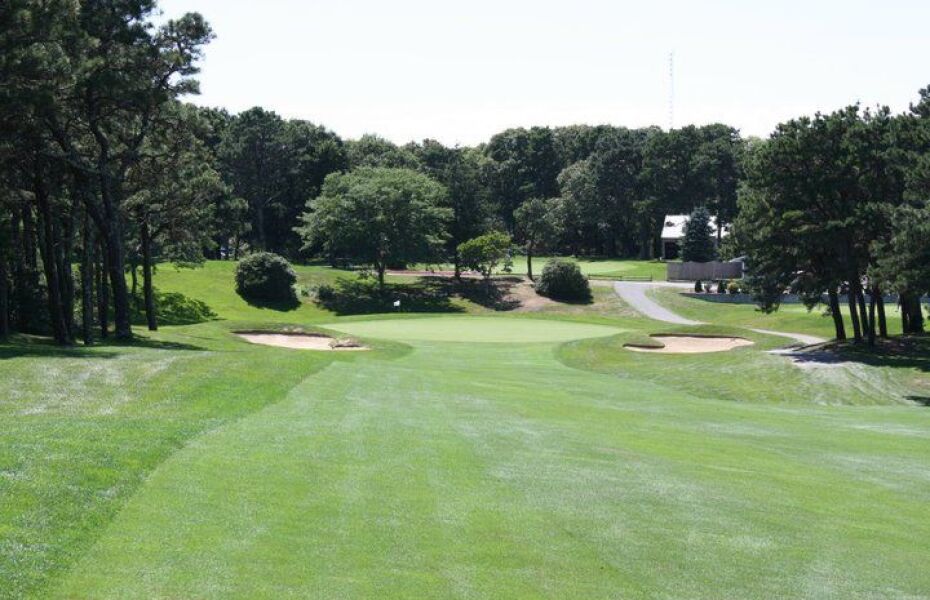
<point>495,470</point>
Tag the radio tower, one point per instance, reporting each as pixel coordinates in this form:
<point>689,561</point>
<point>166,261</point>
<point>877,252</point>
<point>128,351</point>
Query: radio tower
<point>671,90</point>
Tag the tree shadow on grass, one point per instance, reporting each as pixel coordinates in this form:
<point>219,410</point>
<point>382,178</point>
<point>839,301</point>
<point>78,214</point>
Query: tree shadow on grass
<point>922,400</point>
<point>911,351</point>
<point>173,308</point>
<point>144,342</point>
<point>276,305</point>
<point>47,349</point>
<point>363,296</point>
<point>495,294</point>
<point>32,346</point>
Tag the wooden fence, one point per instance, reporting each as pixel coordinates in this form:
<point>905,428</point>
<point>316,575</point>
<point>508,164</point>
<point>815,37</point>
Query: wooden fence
<point>694,271</point>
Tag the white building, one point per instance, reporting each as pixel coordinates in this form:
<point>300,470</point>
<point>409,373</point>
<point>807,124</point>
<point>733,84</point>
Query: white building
<point>673,231</point>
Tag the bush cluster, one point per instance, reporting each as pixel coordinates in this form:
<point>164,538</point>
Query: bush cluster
<point>563,280</point>
<point>266,277</point>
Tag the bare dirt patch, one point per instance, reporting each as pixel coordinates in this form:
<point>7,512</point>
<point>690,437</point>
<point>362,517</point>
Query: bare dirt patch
<point>524,295</point>
<point>302,341</point>
<point>690,344</point>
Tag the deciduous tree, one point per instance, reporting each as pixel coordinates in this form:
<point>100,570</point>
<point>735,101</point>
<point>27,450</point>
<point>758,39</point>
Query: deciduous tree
<point>378,217</point>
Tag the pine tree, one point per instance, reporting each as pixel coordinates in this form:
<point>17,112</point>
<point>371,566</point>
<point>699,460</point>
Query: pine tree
<point>698,242</point>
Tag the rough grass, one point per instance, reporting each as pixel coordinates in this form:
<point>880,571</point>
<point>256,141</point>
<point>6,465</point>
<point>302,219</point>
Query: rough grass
<point>193,464</point>
<point>747,374</point>
<point>794,318</point>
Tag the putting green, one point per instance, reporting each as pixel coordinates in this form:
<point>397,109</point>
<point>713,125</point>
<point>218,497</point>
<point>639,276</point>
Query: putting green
<point>475,329</point>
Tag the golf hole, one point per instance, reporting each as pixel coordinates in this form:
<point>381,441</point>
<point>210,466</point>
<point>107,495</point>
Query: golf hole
<point>690,344</point>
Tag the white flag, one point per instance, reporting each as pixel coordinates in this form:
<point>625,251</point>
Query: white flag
<point>397,304</point>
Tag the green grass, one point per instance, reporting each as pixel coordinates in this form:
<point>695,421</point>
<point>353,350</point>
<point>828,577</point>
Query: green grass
<point>554,464</point>
<point>213,283</point>
<point>474,330</point>
<point>502,473</point>
<point>793,318</point>
<point>595,267</point>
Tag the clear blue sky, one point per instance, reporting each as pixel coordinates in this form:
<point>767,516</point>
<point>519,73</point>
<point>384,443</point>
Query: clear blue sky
<point>460,72</point>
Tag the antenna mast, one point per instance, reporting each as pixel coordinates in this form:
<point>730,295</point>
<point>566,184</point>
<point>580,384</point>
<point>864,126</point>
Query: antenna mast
<point>671,90</point>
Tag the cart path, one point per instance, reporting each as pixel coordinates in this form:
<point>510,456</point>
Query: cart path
<point>634,294</point>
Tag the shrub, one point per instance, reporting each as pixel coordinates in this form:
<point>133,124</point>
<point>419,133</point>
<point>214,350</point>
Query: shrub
<point>698,288</point>
<point>563,280</point>
<point>732,287</point>
<point>325,293</point>
<point>721,287</point>
<point>267,277</point>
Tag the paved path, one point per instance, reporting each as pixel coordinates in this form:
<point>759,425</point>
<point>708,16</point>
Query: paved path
<point>634,294</point>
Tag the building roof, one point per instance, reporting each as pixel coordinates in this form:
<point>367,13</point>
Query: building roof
<point>673,227</point>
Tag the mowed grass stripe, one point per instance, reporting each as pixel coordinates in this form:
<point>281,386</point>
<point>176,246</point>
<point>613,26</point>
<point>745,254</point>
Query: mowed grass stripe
<point>475,329</point>
<point>418,478</point>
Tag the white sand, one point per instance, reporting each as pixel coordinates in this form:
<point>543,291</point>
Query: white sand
<point>687,344</point>
<point>297,341</point>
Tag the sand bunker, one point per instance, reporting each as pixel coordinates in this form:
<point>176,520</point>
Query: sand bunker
<point>690,344</point>
<point>302,341</point>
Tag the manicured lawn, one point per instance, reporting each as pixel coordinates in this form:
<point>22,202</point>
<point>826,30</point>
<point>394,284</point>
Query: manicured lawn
<point>551,462</point>
<point>471,329</point>
<point>213,283</point>
<point>789,317</point>
<point>597,267</point>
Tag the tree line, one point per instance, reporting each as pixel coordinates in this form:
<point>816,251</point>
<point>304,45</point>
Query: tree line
<point>106,173</point>
<point>836,204</point>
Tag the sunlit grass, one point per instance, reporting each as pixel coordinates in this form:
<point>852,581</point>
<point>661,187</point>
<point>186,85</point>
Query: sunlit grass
<point>193,464</point>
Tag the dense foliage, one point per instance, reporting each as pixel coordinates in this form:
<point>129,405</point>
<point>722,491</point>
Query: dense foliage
<point>563,280</point>
<point>105,173</point>
<point>835,204</point>
<point>539,224</point>
<point>265,277</point>
<point>485,252</point>
<point>380,217</point>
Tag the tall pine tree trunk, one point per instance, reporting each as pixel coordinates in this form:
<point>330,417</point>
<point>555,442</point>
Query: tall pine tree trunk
<point>854,314</point>
<point>871,318</point>
<point>529,264</point>
<point>133,272</point>
<point>65,270</point>
<point>147,277</point>
<point>103,294</point>
<point>837,314</point>
<point>47,242</point>
<point>912,313</point>
<point>111,227</point>
<point>380,268</point>
<point>26,273</point>
<point>4,295</point>
<point>879,299</point>
<point>867,330</point>
<point>87,283</point>
<point>119,290</point>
